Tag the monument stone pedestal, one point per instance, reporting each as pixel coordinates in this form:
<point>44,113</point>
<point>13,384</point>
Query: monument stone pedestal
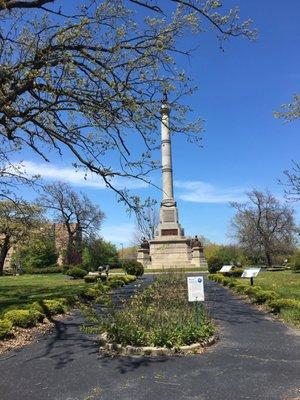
<point>170,249</point>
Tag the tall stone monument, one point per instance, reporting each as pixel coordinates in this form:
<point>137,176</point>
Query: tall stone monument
<point>170,248</point>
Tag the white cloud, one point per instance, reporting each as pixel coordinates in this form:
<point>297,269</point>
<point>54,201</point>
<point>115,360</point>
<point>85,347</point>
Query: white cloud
<point>50,171</point>
<point>202,192</point>
<point>117,234</point>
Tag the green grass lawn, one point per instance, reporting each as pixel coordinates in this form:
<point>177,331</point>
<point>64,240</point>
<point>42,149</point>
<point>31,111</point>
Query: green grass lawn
<point>17,291</point>
<point>285,283</point>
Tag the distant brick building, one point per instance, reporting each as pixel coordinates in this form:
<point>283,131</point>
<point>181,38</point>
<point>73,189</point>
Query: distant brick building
<point>61,244</point>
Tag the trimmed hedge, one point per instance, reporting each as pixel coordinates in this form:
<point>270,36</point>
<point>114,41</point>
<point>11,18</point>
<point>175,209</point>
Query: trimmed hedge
<point>5,328</point>
<point>54,269</point>
<point>90,279</point>
<point>115,283</point>
<point>76,273</point>
<point>277,305</point>
<point>133,267</point>
<point>55,306</point>
<point>24,318</point>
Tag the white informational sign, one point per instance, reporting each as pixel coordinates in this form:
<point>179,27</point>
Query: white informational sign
<point>195,288</point>
<point>226,268</point>
<point>250,273</point>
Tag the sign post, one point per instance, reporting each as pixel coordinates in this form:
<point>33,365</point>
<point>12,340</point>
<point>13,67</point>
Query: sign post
<point>196,293</point>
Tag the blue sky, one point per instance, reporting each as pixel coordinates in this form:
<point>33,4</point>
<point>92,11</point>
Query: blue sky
<point>244,146</point>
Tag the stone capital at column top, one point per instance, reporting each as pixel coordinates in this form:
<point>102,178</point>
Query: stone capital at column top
<point>165,109</point>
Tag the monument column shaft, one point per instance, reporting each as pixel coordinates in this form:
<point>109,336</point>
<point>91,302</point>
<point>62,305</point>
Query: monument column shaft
<point>167,173</point>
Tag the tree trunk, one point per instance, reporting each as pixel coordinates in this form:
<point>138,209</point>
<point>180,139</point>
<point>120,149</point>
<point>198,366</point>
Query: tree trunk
<point>269,258</point>
<point>3,253</point>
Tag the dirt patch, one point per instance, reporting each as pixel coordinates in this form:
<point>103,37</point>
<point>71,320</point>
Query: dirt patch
<point>22,336</point>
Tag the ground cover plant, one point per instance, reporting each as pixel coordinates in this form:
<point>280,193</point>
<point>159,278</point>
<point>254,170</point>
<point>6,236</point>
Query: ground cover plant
<point>279,291</point>
<point>159,316</point>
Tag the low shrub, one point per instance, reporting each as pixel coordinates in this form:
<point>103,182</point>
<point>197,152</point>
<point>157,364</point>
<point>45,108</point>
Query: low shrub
<point>277,304</point>
<point>76,273</point>
<point>262,296</point>
<point>53,269</point>
<point>127,278</point>
<point>252,290</point>
<point>214,264</point>
<point>226,281</point>
<point>240,287</point>
<point>94,292</point>
<point>54,306</point>
<point>232,283</point>
<point>133,267</point>
<point>90,279</point>
<point>291,315</point>
<point>114,283</point>
<point>24,318</point>
<point>103,287</point>
<point>6,327</point>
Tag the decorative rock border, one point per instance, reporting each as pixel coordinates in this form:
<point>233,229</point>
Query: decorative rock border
<point>109,348</point>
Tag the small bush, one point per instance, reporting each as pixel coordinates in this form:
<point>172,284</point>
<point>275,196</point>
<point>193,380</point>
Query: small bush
<point>240,287</point>
<point>261,296</point>
<point>54,306</point>
<point>94,292</point>
<point>90,279</point>
<point>24,318</point>
<point>133,267</point>
<point>5,328</point>
<point>103,287</point>
<point>226,281</point>
<point>114,283</point>
<point>232,283</point>
<point>277,304</point>
<point>127,278</point>
<point>214,264</point>
<point>76,273</point>
<point>53,269</point>
<point>252,290</point>
<point>291,315</point>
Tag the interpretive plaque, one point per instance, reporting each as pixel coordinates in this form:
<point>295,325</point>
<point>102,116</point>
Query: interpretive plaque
<point>250,273</point>
<point>195,288</point>
<point>226,268</point>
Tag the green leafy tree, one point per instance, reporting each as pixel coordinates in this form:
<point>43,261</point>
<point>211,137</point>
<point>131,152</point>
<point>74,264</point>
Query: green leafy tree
<point>265,227</point>
<point>17,220</point>
<point>99,252</point>
<point>40,252</point>
<point>84,80</point>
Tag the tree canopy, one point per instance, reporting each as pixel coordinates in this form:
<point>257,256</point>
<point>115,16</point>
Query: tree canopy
<point>87,79</point>
<point>264,227</point>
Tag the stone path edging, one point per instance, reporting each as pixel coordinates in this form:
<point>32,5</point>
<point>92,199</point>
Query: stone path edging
<point>109,348</point>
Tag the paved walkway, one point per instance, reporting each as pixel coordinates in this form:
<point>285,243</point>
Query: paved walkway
<point>256,358</point>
